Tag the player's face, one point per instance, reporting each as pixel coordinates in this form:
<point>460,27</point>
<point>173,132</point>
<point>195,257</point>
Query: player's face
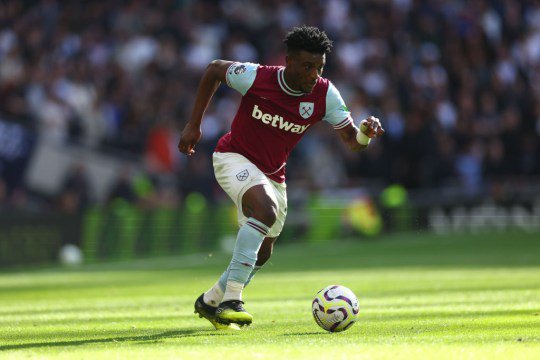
<point>303,70</point>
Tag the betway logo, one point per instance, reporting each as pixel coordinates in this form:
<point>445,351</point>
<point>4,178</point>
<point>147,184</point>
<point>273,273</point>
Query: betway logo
<point>277,121</point>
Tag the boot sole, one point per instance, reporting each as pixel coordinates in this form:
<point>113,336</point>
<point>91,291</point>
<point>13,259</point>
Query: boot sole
<point>240,322</point>
<point>218,325</point>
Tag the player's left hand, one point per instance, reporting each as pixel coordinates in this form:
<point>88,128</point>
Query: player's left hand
<point>371,127</point>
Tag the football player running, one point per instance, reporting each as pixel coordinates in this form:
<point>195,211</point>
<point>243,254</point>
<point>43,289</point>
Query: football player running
<point>279,104</point>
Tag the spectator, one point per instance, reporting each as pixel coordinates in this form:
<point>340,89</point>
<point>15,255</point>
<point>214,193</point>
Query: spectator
<point>75,194</point>
<point>440,75</point>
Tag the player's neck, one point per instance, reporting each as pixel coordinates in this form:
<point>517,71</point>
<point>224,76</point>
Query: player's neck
<point>290,83</point>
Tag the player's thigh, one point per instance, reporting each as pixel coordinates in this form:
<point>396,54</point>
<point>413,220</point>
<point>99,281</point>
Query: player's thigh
<point>260,202</point>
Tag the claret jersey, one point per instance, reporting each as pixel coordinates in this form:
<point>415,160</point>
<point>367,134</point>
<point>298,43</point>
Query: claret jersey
<point>272,117</point>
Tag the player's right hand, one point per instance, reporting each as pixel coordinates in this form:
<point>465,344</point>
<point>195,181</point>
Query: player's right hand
<point>189,137</point>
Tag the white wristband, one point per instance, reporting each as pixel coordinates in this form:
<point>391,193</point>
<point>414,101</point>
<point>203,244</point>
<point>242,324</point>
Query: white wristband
<point>362,138</point>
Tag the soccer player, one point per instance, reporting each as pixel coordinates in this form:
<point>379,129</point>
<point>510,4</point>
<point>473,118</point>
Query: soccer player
<point>279,104</point>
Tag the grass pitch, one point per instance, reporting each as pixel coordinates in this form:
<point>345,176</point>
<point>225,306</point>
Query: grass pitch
<point>421,296</point>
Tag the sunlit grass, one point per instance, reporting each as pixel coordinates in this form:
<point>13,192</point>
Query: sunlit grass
<point>420,297</point>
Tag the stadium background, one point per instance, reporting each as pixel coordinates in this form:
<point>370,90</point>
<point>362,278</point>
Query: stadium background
<point>93,96</point>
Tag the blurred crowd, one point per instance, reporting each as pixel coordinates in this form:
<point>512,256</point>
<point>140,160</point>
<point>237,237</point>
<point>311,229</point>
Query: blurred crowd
<point>455,83</point>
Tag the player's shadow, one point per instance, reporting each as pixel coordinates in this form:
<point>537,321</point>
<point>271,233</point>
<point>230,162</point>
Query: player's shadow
<point>304,333</point>
<point>116,339</point>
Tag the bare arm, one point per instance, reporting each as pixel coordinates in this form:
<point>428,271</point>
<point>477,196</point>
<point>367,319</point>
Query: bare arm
<point>371,127</point>
<point>214,75</point>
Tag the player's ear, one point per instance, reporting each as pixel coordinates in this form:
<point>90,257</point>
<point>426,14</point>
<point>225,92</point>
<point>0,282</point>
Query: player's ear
<point>287,59</point>
<point>290,58</point>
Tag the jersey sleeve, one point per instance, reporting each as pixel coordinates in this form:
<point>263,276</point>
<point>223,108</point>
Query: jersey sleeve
<point>240,76</point>
<point>337,113</point>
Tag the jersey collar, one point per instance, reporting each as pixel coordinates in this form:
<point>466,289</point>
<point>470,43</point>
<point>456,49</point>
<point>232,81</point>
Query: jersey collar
<point>283,85</point>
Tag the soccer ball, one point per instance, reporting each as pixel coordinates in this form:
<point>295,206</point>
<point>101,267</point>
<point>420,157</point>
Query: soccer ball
<point>335,308</point>
<point>70,255</point>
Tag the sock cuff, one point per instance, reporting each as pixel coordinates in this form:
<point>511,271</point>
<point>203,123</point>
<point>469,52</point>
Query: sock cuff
<point>257,225</point>
<point>233,292</point>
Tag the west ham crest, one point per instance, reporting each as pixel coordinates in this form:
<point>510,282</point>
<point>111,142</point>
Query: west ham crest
<point>242,175</point>
<point>306,109</point>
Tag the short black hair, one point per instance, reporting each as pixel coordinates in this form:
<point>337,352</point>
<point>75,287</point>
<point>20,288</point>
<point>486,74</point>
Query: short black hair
<point>308,38</point>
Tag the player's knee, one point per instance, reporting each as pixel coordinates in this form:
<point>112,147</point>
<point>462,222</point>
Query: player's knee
<point>267,214</point>
<point>259,204</point>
